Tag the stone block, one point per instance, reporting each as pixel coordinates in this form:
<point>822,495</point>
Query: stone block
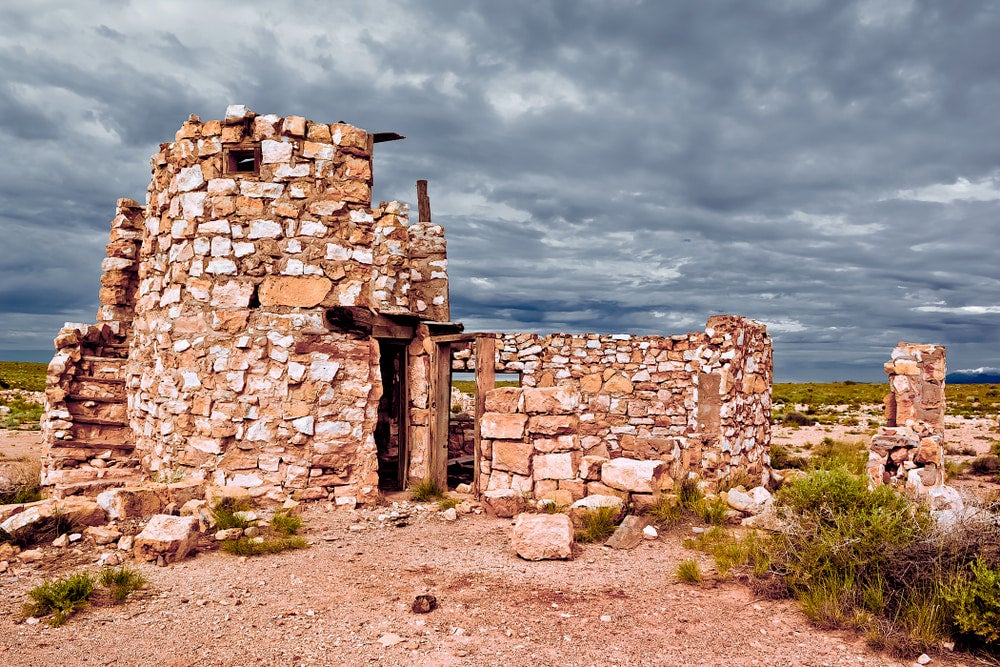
<point>553,424</point>
<point>505,399</point>
<point>295,291</point>
<point>559,400</point>
<point>632,475</point>
<point>590,467</point>
<point>553,466</point>
<point>513,456</point>
<point>505,426</point>
<point>131,502</point>
<point>168,537</point>
<point>543,536</point>
<point>505,503</point>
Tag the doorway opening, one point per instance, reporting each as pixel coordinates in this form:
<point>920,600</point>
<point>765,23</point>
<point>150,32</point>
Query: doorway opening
<point>390,429</point>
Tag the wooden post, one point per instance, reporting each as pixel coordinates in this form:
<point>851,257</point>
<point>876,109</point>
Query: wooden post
<point>485,351</point>
<point>440,413</point>
<point>423,202</point>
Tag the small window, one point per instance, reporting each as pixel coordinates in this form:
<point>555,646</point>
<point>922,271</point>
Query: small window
<point>243,160</point>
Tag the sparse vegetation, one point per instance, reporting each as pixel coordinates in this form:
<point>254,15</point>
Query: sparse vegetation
<point>255,546</point>
<point>689,493</point>
<point>665,512</point>
<point>598,524</point>
<point>426,491</point>
<point>20,413</point>
<point>23,488</point>
<point>285,523</point>
<point>713,511</point>
<point>447,503</point>
<point>60,597</point>
<point>121,582</point>
<point>231,513</point>
<point>689,572</point>
<point>25,375</point>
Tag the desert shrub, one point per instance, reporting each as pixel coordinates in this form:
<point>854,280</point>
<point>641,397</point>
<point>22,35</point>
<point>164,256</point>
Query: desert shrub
<point>738,477</point>
<point>794,418</point>
<point>426,491</point>
<point>121,581</point>
<point>995,448</point>
<point>831,454</point>
<point>712,511</point>
<point>975,601</point>
<point>598,524</point>
<point>21,412</point>
<point>285,523</point>
<point>25,489</point>
<point>688,571</point>
<point>665,512</point>
<point>60,597</point>
<point>255,546</point>
<point>783,459</point>
<point>954,469</point>
<point>689,493</point>
<point>231,513</point>
<point>987,464</point>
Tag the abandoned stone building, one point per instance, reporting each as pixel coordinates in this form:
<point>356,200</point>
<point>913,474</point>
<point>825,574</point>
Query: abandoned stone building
<point>263,325</point>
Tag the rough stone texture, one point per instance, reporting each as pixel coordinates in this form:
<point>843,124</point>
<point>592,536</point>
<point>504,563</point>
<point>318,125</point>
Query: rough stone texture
<point>629,533</point>
<point>505,503</point>
<point>631,475</point>
<point>213,355</point>
<point>166,536</point>
<point>697,403</point>
<point>909,450</point>
<point>543,536</point>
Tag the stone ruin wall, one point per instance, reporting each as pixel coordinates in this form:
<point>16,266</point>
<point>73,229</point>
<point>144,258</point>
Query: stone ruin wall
<point>909,450</point>
<point>233,373</point>
<point>698,403</point>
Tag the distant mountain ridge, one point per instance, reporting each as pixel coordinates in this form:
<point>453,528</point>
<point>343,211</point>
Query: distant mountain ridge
<point>974,376</point>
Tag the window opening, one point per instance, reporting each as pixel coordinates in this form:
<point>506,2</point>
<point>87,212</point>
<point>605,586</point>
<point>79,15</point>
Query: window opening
<point>245,160</point>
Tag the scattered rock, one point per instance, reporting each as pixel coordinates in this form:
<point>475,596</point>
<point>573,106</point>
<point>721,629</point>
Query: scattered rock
<point>30,555</point>
<point>650,533</point>
<point>61,541</point>
<point>424,604</point>
<point>229,534</point>
<point>924,659</point>
<point>629,534</point>
<point>450,514</point>
<point>166,537</point>
<point>102,534</point>
<point>389,639</point>
<point>543,536</point>
<point>505,503</point>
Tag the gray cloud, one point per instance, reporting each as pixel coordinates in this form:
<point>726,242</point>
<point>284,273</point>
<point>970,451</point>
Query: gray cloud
<point>824,167</point>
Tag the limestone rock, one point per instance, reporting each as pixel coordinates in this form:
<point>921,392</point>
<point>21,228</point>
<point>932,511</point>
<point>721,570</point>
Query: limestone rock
<point>167,537</point>
<point>629,533</point>
<point>543,536</point>
<point>505,503</point>
<point>131,502</point>
<point>632,475</point>
<point>102,534</point>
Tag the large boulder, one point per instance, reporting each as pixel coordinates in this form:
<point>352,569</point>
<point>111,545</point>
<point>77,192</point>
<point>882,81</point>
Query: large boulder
<point>167,537</point>
<point>71,512</point>
<point>132,502</point>
<point>543,536</point>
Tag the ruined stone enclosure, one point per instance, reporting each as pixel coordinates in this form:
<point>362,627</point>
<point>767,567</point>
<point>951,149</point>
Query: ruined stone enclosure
<point>264,326</point>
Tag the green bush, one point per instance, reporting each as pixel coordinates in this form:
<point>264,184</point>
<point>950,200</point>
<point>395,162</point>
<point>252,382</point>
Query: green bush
<point>665,512</point>
<point>598,524</point>
<point>975,600</point>
<point>783,459</point>
<point>797,419</point>
<point>987,464</point>
<point>831,454</point>
<point>121,582</point>
<point>229,513</point>
<point>285,523</point>
<point>714,512</point>
<point>689,572</point>
<point>60,597</point>
<point>689,493</point>
<point>255,546</point>
<point>426,491</point>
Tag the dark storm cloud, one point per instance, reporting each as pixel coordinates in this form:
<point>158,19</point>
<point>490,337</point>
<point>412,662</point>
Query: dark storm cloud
<point>825,167</point>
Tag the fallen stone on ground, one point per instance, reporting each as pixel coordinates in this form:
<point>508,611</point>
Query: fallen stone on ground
<point>543,536</point>
<point>166,537</point>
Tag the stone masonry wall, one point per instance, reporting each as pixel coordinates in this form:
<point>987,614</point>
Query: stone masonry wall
<point>909,449</point>
<point>698,403</point>
<point>248,362</point>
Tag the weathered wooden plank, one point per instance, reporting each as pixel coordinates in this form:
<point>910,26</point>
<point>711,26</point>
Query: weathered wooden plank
<point>423,202</point>
<point>485,381</point>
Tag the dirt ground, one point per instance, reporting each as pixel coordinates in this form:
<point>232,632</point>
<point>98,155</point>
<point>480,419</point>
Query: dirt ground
<point>346,600</point>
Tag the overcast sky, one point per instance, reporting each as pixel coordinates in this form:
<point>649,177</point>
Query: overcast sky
<point>829,168</point>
